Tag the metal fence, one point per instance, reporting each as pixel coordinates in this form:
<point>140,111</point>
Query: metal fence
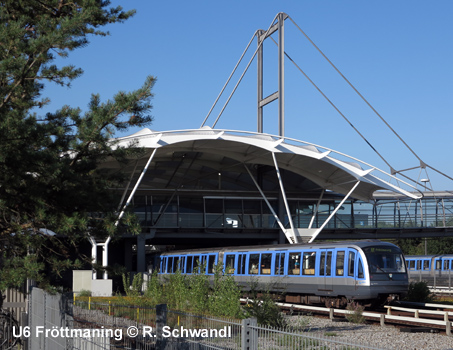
<point>59,323</point>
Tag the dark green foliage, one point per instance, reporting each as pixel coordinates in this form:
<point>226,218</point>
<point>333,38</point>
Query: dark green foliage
<point>50,176</point>
<point>262,306</point>
<point>419,292</point>
<point>435,246</point>
<point>195,294</point>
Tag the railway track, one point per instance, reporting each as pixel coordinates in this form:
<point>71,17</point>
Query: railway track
<point>424,317</point>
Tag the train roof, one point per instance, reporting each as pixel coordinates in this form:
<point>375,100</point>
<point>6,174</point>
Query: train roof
<point>449,256</point>
<point>337,244</point>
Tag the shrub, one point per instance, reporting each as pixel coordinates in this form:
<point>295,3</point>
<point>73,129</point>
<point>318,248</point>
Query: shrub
<point>225,295</point>
<point>263,307</point>
<point>419,292</point>
<point>356,313</point>
<point>155,290</point>
<point>133,289</point>
<point>84,293</point>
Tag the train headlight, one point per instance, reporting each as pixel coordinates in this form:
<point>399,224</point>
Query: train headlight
<point>390,275</point>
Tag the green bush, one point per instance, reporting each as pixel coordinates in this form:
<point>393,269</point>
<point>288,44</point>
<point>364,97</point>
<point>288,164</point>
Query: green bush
<point>133,289</point>
<point>356,313</point>
<point>419,292</point>
<point>225,294</point>
<point>84,293</point>
<point>263,307</point>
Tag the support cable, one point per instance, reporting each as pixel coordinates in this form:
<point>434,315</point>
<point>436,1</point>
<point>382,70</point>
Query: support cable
<point>227,82</point>
<point>335,107</point>
<point>422,163</point>
<point>358,93</point>
<point>242,76</point>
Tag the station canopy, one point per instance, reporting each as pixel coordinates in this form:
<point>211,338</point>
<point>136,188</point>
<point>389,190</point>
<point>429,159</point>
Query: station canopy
<point>213,159</point>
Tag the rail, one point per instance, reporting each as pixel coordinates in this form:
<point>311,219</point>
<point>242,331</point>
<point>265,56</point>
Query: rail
<point>382,318</point>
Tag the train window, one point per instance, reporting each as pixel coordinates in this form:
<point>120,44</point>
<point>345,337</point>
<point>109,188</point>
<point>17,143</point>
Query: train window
<point>170,265</point>
<point>411,264</point>
<point>446,264</point>
<point>329,264</point>
<point>241,264</point>
<point>425,264</point>
<point>322,263</point>
<point>211,263</point>
<point>182,264</point>
<point>294,264</point>
<point>351,263</point>
<point>309,261</point>
<point>197,264</point>
<point>340,264</point>
<point>189,264</point>
<point>360,269</point>
<point>229,263</point>
<point>419,264</point>
<point>164,265</point>
<point>438,264</point>
<point>175,264</point>
<point>279,263</point>
<point>254,261</point>
<point>265,267</point>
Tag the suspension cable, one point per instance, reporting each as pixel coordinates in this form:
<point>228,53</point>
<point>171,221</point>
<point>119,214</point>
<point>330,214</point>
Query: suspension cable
<point>358,93</point>
<point>229,78</point>
<point>245,70</point>
<point>335,107</point>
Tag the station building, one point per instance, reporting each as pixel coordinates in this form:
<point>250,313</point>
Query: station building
<point>209,187</point>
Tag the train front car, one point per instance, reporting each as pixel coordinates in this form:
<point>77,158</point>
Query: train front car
<point>387,275</point>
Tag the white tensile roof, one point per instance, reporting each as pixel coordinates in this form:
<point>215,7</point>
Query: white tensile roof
<point>328,169</point>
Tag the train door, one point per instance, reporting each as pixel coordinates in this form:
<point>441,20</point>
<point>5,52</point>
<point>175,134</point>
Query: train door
<point>325,268</point>
<point>355,268</point>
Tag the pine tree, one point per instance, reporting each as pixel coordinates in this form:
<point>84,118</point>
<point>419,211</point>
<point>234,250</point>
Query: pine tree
<point>50,179</point>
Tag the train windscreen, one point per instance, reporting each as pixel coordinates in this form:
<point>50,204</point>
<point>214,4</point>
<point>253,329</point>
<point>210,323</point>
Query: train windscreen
<point>385,259</point>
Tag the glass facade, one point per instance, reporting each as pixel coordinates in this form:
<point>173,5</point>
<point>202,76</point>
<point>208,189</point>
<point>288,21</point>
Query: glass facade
<point>183,211</point>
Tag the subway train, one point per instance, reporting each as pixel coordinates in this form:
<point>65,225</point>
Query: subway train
<point>330,273</point>
<point>436,270</point>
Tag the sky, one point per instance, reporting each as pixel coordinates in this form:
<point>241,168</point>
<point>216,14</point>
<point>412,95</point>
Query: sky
<point>397,53</point>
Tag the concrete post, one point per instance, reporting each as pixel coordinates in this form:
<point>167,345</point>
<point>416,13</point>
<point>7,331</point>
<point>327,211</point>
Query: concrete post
<point>161,321</point>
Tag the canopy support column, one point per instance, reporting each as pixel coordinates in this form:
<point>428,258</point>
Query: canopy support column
<point>282,188</point>
<point>106,243</point>
<point>317,232</point>
<point>282,227</point>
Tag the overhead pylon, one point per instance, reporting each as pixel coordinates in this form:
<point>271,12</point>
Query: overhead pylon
<point>279,95</point>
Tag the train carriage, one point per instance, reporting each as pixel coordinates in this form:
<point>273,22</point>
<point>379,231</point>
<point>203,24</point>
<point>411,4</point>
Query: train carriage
<point>436,270</point>
<point>332,273</point>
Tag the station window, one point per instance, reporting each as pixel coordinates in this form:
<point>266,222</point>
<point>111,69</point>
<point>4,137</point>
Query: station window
<point>294,264</point>
<point>279,263</point>
<point>265,267</point>
<point>229,263</point>
<point>339,268</point>
<point>309,261</point>
<point>253,263</point>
